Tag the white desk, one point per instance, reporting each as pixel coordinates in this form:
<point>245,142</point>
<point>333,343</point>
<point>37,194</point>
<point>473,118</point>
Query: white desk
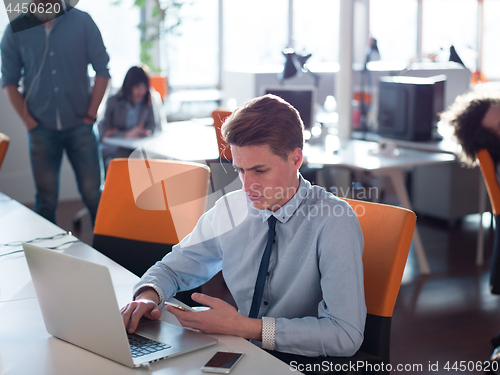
<point>448,145</point>
<point>18,223</point>
<point>362,155</point>
<point>27,348</point>
<point>193,140</point>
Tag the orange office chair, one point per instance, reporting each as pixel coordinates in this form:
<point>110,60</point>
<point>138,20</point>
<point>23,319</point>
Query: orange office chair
<point>219,116</point>
<point>160,84</point>
<point>387,233</point>
<point>146,207</point>
<point>488,169</point>
<point>4,145</point>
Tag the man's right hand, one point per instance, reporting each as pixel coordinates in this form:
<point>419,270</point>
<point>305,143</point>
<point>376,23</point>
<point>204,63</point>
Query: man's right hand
<point>17,101</point>
<point>31,123</point>
<point>145,305</point>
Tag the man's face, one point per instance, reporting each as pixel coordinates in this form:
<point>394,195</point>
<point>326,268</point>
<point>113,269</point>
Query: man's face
<point>268,180</point>
<point>491,120</point>
<point>47,11</point>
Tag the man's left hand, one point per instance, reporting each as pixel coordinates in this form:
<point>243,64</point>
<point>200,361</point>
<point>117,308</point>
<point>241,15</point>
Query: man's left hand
<point>221,318</point>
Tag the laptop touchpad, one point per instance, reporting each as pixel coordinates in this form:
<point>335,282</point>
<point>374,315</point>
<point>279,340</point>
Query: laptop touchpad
<point>153,327</point>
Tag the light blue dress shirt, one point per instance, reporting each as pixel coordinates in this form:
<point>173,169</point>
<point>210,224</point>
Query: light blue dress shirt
<point>314,288</point>
<point>60,59</point>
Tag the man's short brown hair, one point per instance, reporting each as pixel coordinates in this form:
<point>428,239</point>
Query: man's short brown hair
<point>266,120</point>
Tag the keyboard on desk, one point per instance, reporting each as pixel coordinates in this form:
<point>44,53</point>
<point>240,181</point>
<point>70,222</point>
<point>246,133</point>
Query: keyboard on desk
<point>140,345</point>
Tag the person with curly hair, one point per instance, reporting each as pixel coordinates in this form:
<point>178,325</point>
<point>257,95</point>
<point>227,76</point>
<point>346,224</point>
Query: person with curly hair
<point>475,117</point>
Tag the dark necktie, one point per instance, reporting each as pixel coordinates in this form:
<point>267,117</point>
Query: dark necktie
<point>264,265</point>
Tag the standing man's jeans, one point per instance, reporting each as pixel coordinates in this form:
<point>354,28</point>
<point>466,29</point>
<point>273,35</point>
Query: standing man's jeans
<point>46,150</point>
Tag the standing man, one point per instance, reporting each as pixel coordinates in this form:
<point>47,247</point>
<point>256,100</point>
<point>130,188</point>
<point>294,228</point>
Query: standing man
<point>306,297</point>
<point>50,49</point>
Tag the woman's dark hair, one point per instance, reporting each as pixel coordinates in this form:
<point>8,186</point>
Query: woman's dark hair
<point>466,115</point>
<point>135,76</point>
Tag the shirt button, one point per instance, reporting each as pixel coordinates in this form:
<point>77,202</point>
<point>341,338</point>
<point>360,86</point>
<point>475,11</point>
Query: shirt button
<point>266,303</point>
<point>56,89</point>
<point>51,53</point>
<point>54,71</point>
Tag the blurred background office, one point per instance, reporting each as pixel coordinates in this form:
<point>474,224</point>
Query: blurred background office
<point>219,53</point>
<point>204,47</point>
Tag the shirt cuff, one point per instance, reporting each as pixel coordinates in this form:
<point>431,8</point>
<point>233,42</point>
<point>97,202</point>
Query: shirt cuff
<point>150,286</point>
<point>268,332</point>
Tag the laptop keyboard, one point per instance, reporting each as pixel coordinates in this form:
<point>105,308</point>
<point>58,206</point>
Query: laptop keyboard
<point>140,345</point>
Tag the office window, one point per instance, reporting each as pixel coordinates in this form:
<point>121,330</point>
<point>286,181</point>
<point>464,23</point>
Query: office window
<point>316,29</point>
<point>3,19</point>
<point>118,26</point>
<point>122,46</point>
<point>191,59</point>
<point>255,32</point>
<point>394,24</point>
<point>450,22</point>
<point>491,31</point>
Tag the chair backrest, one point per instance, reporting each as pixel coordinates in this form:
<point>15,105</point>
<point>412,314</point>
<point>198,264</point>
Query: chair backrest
<point>219,116</point>
<point>146,207</point>
<point>387,233</point>
<point>488,169</point>
<point>4,145</point>
<point>159,83</point>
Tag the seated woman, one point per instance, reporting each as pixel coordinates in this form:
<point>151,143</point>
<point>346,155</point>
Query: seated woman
<point>134,112</point>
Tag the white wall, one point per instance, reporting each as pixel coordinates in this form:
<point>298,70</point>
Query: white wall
<point>15,175</point>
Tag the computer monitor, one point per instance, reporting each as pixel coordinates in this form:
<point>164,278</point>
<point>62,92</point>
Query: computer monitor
<point>302,98</point>
<point>408,107</point>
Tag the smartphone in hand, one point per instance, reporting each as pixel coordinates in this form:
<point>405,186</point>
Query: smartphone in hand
<point>187,308</point>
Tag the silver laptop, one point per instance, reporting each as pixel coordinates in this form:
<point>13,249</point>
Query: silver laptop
<point>79,306</point>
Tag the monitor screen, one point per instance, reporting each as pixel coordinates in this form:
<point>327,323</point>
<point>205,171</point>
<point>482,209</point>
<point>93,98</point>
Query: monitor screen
<point>408,107</point>
<point>303,99</point>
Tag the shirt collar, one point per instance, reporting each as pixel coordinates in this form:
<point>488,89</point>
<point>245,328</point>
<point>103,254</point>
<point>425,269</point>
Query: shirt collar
<point>37,22</point>
<point>64,10</point>
<point>286,212</point>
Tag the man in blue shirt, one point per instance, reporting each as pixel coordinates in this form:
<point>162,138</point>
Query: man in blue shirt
<point>50,52</point>
<point>312,300</point>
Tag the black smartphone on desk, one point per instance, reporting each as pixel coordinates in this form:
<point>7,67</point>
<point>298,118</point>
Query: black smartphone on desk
<point>222,362</point>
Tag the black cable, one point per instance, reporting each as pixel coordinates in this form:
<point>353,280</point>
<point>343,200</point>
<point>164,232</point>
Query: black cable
<point>38,239</point>
<point>50,248</point>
